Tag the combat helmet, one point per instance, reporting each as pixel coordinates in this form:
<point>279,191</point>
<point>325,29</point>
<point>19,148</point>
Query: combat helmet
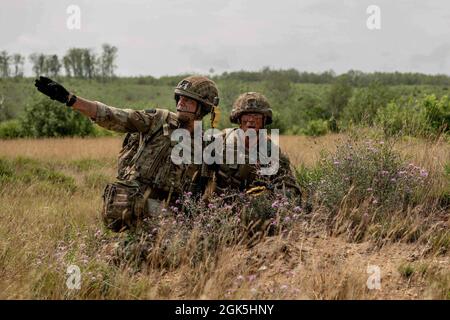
<point>201,89</point>
<point>251,102</point>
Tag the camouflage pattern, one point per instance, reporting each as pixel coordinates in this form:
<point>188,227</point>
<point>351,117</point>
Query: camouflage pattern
<point>251,102</point>
<point>147,178</point>
<point>201,89</point>
<point>245,177</point>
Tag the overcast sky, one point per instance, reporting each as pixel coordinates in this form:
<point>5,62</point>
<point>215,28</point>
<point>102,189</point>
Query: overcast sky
<point>166,37</point>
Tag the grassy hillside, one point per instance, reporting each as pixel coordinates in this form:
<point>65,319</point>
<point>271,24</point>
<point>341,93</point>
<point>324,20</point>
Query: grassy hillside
<point>50,190</point>
<point>376,192</point>
<point>295,104</point>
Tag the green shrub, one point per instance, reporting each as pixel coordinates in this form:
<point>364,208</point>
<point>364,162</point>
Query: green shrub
<point>316,128</point>
<point>415,117</point>
<point>295,129</point>
<point>364,170</point>
<point>407,118</point>
<point>437,113</point>
<point>278,123</point>
<point>339,95</point>
<point>365,102</point>
<point>10,129</point>
<point>367,189</point>
<point>48,118</point>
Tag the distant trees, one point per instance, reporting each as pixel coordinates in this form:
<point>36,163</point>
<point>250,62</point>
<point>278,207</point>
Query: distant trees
<point>48,65</point>
<point>365,102</point>
<point>354,78</point>
<point>11,65</point>
<point>77,62</point>
<point>53,65</point>
<point>38,61</point>
<point>74,64</point>
<point>84,62</point>
<point>107,60</point>
<point>4,64</point>
<point>18,62</point>
<point>339,95</point>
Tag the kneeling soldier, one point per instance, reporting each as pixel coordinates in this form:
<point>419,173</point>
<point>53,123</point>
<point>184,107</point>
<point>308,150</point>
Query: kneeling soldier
<point>252,110</point>
<point>147,180</point>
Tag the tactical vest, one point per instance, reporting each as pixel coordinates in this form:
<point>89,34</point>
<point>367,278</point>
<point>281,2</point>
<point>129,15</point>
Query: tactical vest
<point>236,176</point>
<point>146,158</point>
<point>245,177</point>
<point>147,177</point>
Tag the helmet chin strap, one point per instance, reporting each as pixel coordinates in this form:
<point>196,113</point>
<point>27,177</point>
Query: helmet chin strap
<point>197,112</point>
<point>187,111</point>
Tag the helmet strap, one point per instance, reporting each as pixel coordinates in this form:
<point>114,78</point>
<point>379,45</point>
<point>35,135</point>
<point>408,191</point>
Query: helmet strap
<point>198,112</point>
<point>215,114</point>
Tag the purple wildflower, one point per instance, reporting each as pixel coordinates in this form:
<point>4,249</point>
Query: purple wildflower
<point>251,277</point>
<point>423,173</point>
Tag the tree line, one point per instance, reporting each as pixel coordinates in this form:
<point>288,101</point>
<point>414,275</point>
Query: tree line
<point>355,78</point>
<point>84,63</point>
<point>77,62</point>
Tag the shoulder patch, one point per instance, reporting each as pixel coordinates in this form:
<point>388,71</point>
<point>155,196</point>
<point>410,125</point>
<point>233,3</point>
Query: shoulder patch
<point>172,120</point>
<point>150,111</point>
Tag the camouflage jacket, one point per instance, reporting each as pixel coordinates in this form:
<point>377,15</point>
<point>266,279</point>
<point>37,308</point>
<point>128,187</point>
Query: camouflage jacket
<point>145,155</point>
<point>243,177</point>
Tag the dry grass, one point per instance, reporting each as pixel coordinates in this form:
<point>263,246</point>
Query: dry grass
<point>300,149</point>
<point>47,226</point>
<point>64,149</point>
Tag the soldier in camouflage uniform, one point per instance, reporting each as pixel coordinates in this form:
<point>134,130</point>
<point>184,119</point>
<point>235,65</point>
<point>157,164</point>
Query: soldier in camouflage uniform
<point>251,110</point>
<point>147,180</point>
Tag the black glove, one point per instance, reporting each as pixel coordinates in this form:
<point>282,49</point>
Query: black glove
<point>54,90</point>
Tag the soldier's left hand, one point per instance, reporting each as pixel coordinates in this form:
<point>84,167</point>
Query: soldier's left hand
<point>52,89</point>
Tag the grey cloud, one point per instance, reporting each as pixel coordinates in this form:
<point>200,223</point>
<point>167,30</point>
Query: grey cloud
<point>438,58</point>
<point>168,37</point>
<point>202,60</point>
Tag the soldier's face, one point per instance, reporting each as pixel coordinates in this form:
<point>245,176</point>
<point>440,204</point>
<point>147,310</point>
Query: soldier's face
<point>186,108</point>
<point>252,121</point>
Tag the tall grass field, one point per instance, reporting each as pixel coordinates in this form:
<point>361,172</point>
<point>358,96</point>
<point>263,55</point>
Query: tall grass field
<point>375,208</point>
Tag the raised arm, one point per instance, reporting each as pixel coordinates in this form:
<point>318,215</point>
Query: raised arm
<point>122,120</point>
<point>86,107</point>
